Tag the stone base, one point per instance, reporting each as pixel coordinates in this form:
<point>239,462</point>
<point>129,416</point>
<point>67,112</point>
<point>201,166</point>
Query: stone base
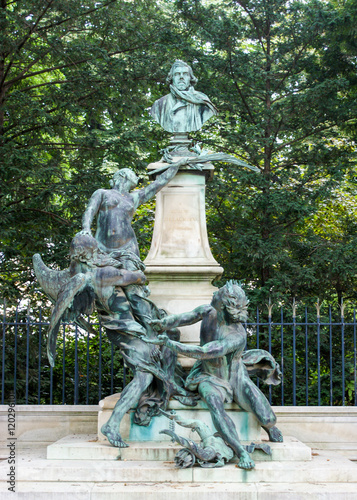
<point>324,477</point>
<point>181,491</point>
<point>327,476</point>
<point>333,429</point>
<point>180,265</point>
<point>88,447</point>
<point>247,425</point>
<point>182,289</point>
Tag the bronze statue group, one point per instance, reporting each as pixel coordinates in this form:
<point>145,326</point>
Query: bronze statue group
<point>106,273</point>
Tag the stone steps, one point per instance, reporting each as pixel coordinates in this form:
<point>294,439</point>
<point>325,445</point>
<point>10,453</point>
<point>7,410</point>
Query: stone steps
<point>323,476</point>
<point>87,447</point>
<point>348,450</point>
<point>179,491</point>
<point>322,469</point>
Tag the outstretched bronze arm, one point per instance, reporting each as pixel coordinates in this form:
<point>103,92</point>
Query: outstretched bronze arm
<point>183,319</point>
<point>211,350</point>
<point>145,194</point>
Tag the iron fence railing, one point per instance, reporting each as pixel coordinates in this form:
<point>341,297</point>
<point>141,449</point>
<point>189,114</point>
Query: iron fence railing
<point>316,350</point>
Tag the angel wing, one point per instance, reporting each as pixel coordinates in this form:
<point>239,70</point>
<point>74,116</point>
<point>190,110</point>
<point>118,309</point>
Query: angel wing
<point>51,281</point>
<point>76,297</point>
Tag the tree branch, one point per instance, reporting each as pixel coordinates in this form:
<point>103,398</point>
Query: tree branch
<point>20,46</point>
<point>314,132</point>
<point>54,82</point>
<point>21,200</point>
<point>52,110</point>
<point>255,24</point>
<point>288,73</point>
<point>51,214</point>
<point>62,66</point>
<point>239,90</point>
<point>49,26</point>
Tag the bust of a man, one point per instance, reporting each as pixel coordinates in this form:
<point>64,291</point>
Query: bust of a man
<point>184,109</point>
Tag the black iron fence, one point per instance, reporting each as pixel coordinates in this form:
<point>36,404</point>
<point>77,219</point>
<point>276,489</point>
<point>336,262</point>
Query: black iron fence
<point>316,349</point>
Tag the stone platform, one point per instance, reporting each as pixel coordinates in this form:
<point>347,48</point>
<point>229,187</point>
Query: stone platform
<point>86,467</point>
<point>324,477</point>
<point>87,447</point>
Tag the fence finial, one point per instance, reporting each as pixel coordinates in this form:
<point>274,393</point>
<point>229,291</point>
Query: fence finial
<point>342,307</point>
<point>270,307</point>
<point>318,307</point>
<point>294,307</point>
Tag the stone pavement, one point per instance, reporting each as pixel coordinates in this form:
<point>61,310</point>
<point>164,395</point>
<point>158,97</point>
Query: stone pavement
<point>148,472</point>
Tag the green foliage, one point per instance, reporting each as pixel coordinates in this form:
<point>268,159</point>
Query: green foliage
<point>284,83</point>
<point>75,82</point>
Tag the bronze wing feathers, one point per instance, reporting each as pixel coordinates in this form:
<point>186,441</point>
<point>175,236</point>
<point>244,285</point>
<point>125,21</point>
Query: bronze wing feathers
<point>51,281</point>
<point>76,297</point>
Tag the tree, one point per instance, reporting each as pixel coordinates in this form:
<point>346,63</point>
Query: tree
<point>74,79</point>
<point>78,77</point>
<point>285,89</point>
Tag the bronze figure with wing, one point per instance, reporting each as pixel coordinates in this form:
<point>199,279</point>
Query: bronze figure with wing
<point>97,280</point>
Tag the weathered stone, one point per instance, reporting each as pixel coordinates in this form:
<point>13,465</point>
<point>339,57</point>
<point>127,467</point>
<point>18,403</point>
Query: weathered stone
<point>245,422</point>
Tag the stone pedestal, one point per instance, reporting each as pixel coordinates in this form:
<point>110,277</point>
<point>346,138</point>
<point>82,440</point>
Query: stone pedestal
<point>87,447</point>
<point>247,425</point>
<point>180,265</point>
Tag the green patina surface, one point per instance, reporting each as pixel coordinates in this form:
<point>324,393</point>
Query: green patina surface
<point>106,273</point>
<point>183,109</point>
<point>221,372</point>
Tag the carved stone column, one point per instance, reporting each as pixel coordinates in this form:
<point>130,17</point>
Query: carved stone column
<point>180,265</point>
